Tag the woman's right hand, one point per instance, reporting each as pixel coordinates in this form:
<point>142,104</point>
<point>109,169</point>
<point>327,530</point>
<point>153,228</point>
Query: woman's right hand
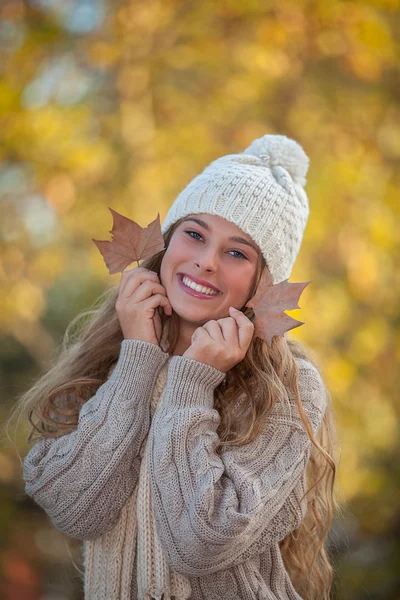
<point>140,294</point>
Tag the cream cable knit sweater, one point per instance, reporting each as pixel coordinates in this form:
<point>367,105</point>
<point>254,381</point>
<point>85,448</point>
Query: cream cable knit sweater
<point>219,518</point>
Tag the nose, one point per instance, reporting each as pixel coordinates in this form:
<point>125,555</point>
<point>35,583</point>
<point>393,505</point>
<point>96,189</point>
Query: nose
<point>204,268</point>
<point>207,260</point>
<point>206,264</point>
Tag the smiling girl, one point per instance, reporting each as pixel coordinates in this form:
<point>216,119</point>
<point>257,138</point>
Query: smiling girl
<point>191,458</point>
<point>210,252</point>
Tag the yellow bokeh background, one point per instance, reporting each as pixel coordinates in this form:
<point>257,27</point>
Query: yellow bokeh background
<point>122,110</point>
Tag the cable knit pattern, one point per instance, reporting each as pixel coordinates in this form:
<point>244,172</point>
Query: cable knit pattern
<point>222,504</point>
<point>209,525</point>
<point>154,578</point>
<point>83,479</point>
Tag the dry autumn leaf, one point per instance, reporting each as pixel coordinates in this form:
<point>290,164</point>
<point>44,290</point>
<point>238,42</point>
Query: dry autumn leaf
<point>268,304</point>
<point>130,242</point>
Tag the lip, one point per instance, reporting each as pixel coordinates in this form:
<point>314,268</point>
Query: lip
<point>200,281</point>
<point>195,293</point>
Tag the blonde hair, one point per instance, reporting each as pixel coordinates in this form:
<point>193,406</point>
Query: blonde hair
<point>84,362</point>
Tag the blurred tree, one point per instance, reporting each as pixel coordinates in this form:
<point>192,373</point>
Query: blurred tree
<point>121,104</point>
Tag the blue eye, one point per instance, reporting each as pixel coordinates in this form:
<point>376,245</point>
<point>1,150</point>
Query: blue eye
<point>197,233</point>
<point>193,232</point>
<point>241,255</point>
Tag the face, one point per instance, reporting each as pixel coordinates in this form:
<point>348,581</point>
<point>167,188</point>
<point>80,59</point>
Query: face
<point>202,247</point>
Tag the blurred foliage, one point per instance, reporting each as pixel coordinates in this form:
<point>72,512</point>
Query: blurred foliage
<point>121,104</point>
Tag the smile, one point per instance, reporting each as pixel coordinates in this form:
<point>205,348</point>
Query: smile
<point>198,291</point>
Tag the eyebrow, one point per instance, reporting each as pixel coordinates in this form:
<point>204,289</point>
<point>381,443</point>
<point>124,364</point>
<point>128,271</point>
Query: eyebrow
<point>233,238</point>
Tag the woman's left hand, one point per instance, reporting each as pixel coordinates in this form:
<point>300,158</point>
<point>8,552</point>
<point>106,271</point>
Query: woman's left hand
<point>222,343</point>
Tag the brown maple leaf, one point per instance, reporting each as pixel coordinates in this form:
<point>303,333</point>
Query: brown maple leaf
<point>130,242</point>
<point>268,304</point>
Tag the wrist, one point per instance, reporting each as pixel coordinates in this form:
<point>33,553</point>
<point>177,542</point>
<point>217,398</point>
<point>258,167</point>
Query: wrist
<point>139,338</point>
<point>202,359</point>
<point>191,381</point>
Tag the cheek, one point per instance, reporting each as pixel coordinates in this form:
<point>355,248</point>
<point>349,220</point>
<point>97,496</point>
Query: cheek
<point>241,281</point>
<point>174,255</point>
<point>177,250</point>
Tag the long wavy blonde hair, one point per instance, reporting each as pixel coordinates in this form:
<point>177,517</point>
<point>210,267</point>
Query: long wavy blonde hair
<point>83,364</point>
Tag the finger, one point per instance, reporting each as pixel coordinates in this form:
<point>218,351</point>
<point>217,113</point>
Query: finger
<point>127,276</point>
<point>230,331</point>
<point>150,289</point>
<point>143,290</point>
<point>136,277</point>
<point>155,301</point>
<point>245,328</point>
<point>200,333</point>
<point>214,330</point>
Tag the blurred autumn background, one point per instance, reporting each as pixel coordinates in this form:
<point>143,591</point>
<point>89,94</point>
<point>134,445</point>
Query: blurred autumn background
<point>121,104</point>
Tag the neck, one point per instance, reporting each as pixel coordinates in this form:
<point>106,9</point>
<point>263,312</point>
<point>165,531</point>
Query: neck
<point>185,338</point>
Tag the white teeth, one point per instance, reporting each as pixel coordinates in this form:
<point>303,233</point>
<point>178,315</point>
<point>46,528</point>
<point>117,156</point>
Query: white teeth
<point>198,288</point>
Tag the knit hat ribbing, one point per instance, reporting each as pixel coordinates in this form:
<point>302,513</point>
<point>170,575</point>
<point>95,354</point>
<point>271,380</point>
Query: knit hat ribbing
<point>261,191</point>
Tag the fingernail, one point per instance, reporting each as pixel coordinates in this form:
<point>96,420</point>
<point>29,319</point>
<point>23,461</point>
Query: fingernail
<point>233,308</point>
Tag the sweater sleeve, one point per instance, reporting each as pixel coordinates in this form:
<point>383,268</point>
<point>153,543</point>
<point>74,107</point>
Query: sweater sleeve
<point>213,511</point>
<point>84,478</point>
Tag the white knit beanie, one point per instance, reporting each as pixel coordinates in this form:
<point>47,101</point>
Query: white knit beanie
<point>261,191</point>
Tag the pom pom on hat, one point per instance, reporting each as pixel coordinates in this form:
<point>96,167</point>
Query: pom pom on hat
<point>283,152</point>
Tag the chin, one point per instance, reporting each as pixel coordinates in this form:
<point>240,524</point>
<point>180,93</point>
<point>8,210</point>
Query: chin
<point>187,316</point>
<point>191,317</point>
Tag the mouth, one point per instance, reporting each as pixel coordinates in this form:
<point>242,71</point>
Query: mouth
<point>196,293</point>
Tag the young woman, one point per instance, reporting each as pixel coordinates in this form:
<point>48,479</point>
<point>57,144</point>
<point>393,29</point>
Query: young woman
<point>192,458</point>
